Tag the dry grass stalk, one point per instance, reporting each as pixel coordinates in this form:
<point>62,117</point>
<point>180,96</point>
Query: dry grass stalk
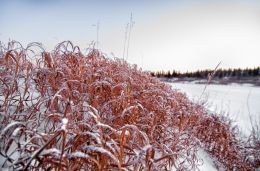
<point>71,111</point>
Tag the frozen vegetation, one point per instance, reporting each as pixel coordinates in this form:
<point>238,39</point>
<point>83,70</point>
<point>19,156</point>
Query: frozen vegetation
<point>240,102</point>
<point>66,110</point>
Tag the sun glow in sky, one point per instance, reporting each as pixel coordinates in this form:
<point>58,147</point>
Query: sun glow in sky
<point>170,34</point>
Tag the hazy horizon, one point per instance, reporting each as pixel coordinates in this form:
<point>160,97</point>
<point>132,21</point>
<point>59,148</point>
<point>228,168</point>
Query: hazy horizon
<point>166,35</point>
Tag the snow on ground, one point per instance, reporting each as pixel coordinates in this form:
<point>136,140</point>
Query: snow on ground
<point>207,164</point>
<point>238,101</point>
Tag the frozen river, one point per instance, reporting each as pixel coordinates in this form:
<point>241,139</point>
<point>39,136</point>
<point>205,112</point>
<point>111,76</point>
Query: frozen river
<point>238,101</point>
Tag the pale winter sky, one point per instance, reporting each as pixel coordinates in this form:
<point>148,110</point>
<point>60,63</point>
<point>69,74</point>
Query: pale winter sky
<point>167,34</point>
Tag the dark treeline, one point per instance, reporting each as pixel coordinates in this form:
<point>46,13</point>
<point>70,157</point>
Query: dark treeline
<point>203,74</point>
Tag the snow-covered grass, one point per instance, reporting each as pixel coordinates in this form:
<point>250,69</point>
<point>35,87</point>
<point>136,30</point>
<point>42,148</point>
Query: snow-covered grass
<point>69,111</point>
<point>239,102</point>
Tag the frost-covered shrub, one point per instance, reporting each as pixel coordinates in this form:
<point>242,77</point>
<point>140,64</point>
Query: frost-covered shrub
<point>253,145</point>
<point>71,111</point>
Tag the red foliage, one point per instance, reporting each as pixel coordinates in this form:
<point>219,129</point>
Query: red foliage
<point>118,116</point>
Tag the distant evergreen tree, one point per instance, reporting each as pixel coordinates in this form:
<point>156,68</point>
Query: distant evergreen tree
<point>169,75</point>
<point>220,73</point>
<point>203,74</point>
<point>233,74</point>
<point>256,71</point>
<point>238,72</point>
<point>174,73</point>
<point>229,73</point>
<point>250,72</point>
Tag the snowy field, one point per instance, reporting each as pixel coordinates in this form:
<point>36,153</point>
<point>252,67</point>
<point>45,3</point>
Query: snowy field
<point>238,101</point>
